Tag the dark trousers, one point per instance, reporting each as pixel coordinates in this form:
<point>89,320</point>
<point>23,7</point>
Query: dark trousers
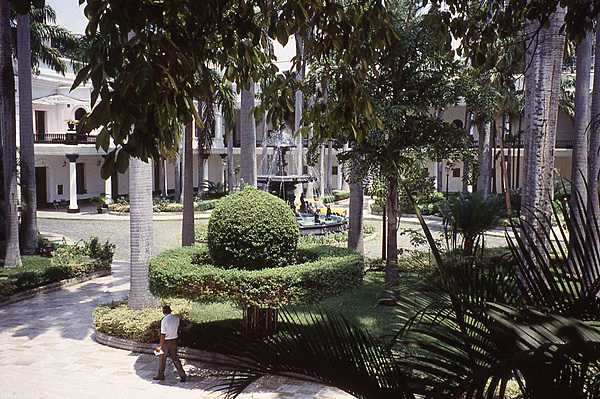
<point>170,350</point>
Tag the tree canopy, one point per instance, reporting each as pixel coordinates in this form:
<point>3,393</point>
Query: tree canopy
<point>149,60</point>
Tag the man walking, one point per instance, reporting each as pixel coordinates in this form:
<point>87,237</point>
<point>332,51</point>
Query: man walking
<point>168,344</point>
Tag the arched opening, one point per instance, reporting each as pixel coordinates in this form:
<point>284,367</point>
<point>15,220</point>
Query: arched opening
<point>80,113</point>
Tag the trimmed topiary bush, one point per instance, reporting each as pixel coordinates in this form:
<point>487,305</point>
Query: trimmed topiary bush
<point>320,272</point>
<point>252,229</point>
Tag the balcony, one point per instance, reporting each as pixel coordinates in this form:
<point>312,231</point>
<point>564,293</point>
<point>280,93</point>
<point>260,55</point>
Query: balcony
<point>70,138</point>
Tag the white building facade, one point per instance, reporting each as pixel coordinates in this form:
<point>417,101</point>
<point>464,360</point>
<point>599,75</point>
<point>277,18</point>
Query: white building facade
<point>68,165</point>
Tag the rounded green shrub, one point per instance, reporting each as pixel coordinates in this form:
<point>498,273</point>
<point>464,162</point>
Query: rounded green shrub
<point>252,229</point>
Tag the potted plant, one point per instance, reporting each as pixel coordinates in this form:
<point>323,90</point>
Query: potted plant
<point>100,202</point>
<point>72,124</point>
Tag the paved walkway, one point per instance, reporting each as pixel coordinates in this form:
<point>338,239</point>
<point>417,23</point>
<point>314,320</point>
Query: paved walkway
<point>46,352</point>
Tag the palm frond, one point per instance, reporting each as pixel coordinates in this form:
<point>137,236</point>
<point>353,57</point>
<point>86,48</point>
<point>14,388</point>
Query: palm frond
<point>559,266</point>
<point>329,351</point>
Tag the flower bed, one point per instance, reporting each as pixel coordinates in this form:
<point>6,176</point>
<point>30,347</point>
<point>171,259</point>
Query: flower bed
<point>67,262</point>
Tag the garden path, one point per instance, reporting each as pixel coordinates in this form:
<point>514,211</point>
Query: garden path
<point>47,352</point>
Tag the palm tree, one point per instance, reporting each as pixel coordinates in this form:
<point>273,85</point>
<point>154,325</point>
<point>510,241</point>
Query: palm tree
<point>225,100</point>
<point>298,110</point>
<point>355,231</point>
<point>594,150</point>
<point>9,149</point>
<point>38,39</point>
<point>187,226</point>
<point>248,137</point>
<point>582,118</point>
<point>545,56</point>
<point>485,159</point>
<point>140,233</point>
<point>179,174</point>
<point>29,229</point>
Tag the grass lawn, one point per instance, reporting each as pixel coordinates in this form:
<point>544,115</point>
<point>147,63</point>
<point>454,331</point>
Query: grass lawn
<point>358,306</point>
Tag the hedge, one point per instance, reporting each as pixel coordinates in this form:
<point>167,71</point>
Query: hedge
<point>340,195</point>
<point>118,320</point>
<point>68,261</point>
<point>252,229</point>
<point>162,205</point>
<point>324,271</point>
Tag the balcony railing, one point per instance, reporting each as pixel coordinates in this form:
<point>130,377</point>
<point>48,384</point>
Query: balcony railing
<point>71,138</point>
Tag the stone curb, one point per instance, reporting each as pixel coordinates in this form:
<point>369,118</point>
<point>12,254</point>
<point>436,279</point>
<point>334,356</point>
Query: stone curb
<point>137,347</point>
<point>115,216</point>
<point>20,296</point>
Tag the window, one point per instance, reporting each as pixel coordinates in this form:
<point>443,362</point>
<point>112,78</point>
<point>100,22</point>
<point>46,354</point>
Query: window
<point>80,167</point>
<point>60,189</point>
<point>334,170</point>
<point>304,170</point>
<point>456,172</point>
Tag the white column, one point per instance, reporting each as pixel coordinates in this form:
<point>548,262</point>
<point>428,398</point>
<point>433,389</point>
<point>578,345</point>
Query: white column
<point>108,190</point>
<point>205,169</point>
<point>73,207</point>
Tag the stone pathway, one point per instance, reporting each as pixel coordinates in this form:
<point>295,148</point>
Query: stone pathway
<point>46,352</point>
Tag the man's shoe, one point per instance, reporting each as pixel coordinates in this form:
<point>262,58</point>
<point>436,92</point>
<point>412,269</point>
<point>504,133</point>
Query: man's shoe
<point>182,379</point>
<point>157,377</point>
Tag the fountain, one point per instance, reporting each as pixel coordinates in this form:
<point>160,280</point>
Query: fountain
<point>278,182</point>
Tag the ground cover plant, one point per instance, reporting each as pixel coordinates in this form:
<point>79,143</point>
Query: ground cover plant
<point>66,261</point>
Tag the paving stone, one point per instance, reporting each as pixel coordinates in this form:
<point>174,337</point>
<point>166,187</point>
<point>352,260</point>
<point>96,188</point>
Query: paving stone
<point>46,352</point>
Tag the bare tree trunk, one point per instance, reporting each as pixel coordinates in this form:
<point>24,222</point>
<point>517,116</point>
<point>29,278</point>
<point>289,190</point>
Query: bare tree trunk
<point>9,136</point>
<point>542,119</point>
<point>248,137</point>
<point>187,227</point>
<point>329,174</point>
<point>29,229</point>
<point>140,232</point>
<point>355,233</point>
<point>594,154</point>
<point>485,159</point>
<point>393,214</point>
<point>178,174</point>
<point>466,166</point>
<point>230,172</point>
<point>298,110</point>
<point>582,119</point>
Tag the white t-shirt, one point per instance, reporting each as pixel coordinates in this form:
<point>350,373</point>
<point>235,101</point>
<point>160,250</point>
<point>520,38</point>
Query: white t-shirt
<point>169,326</point>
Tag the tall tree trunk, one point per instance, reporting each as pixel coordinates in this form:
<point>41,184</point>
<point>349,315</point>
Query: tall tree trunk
<point>298,110</point>
<point>140,233</point>
<point>485,159</point>
<point>322,172</point>
<point>355,232</point>
<point>466,166</point>
<point>29,229</point>
<point>582,119</point>
<point>178,174</point>
<point>230,171</point>
<point>9,137</point>
<point>248,137</point>
<point>542,119</point>
<point>391,262</point>
<point>264,164</point>
<point>329,174</point>
<point>594,154</point>
<point>187,227</point>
